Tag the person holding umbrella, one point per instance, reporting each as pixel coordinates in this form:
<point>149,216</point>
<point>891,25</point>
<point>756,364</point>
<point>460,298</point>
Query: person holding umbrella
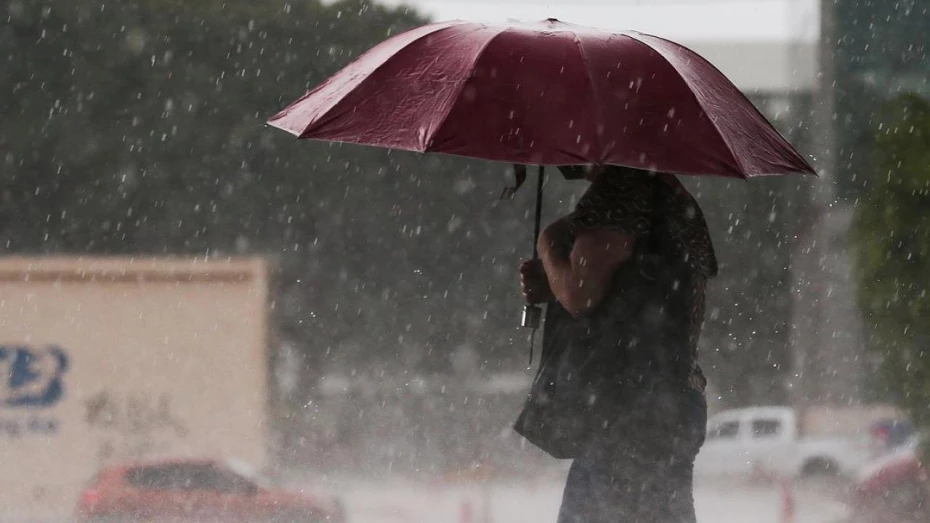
<point>618,387</point>
<point>624,275</point>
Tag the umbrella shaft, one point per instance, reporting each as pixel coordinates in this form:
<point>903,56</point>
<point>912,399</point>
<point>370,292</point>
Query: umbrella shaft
<point>532,313</point>
<point>539,199</point>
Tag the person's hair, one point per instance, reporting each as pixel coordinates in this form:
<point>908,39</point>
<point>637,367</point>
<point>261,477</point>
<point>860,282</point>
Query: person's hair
<point>578,172</point>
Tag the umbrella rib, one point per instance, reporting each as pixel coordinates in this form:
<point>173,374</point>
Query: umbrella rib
<point>331,114</point>
<point>459,88</point>
<point>594,97</point>
<point>632,36</point>
<point>752,106</point>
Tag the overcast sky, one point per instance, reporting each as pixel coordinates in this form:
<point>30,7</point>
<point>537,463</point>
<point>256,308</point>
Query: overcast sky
<point>691,20</point>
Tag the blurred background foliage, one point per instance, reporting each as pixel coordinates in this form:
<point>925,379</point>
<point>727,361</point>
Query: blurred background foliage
<point>892,237</point>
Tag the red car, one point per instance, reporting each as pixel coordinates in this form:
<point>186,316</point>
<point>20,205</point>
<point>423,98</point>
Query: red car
<point>893,488</point>
<point>196,490</point>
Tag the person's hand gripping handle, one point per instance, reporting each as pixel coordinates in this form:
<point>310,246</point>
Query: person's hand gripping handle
<point>533,281</point>
<point>534,285</point>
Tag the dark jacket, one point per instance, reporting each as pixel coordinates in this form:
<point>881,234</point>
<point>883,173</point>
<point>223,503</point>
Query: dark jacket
<point>633,359</point>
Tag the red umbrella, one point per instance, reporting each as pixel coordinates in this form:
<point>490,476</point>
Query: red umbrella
<point>549,93</point>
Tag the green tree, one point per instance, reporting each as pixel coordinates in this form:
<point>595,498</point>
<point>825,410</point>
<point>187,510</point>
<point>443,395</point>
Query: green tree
<point>892,238</point>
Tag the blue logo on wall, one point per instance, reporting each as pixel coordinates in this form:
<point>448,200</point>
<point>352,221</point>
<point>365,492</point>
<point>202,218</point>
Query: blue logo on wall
<point>33,377</point>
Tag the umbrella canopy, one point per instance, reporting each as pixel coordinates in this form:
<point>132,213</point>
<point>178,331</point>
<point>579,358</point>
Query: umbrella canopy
<point>549,94</point>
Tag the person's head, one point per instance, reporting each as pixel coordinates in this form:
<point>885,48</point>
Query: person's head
<point>606,174</point>
<point>593,172</point>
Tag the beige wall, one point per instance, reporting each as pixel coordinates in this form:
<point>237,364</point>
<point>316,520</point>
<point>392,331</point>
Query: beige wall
<point>165,357</point>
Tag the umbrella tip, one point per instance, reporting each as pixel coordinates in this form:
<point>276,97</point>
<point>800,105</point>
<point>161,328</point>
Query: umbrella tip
<point>552,21</point>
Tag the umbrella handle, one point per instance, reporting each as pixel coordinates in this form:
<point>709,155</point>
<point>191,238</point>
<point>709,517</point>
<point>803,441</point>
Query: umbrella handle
<point>532,314</point>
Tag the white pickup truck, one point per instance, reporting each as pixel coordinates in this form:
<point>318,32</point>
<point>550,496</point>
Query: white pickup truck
<point>786,442</point>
